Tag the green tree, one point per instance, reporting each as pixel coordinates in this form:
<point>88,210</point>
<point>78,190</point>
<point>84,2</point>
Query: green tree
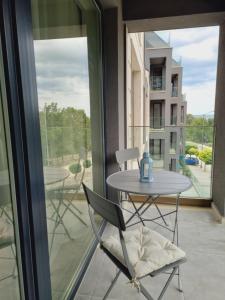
<point>206,156</point>
<point>190,146</point>
<point>193,151</point>
<point>199,129</point>
<point>64,131</point>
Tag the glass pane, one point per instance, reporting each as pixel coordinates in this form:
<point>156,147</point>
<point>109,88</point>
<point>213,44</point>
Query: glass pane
<point>68,64</point>
<point>9,280</point>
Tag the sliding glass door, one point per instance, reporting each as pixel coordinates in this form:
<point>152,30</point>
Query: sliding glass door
<point>67,44</point>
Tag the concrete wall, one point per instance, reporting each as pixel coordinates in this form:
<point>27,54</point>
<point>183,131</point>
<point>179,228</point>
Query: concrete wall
<point>137,88</point>
<point>218,188</point>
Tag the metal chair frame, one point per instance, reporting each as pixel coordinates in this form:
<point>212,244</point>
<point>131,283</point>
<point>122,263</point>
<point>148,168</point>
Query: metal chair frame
<point>112,213</point>
<point>58,220</point>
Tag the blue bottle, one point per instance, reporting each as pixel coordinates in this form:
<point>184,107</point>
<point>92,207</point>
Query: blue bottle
<point>146,167</point>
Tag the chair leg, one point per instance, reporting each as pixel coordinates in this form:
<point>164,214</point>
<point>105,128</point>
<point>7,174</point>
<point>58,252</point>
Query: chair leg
<point>180,288</point>
<point>111,285</point>
<point>145,292</point>
<point>167,283</point>
<point>69,209</point>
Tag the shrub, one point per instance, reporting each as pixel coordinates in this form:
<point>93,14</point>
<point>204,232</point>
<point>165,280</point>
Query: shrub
<point>189,146</point>
<point>193,151</point>
<point>86,163</point>
<point>75,168</point>
<point>206,156</point>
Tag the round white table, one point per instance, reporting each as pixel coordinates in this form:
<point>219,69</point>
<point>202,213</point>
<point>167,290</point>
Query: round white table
<point>164,183</point>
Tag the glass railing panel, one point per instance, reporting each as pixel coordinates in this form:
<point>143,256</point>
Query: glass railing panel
<point>191,153</point>
<point>174,91</point>
<point>157,123</point>
<point>173,120</point>
<point>157,82</point>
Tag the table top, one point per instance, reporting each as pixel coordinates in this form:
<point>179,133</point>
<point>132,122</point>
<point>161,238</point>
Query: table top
<point>164,183</point>
<point>54,175</point>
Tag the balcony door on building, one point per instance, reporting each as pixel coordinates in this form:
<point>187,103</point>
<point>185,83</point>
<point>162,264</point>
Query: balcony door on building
<point>157,115</point>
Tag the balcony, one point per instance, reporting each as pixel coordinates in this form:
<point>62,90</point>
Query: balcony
<point>157,83</point>
<point>174,92</point>
<point>200,237</point>
<point>173,120</point>
<point>157,124</point>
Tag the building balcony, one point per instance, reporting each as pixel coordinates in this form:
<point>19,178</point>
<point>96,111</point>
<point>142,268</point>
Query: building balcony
<point>157,124</point>
<point>157,83</point>
<point>174,92</point>
<point>173,120</point>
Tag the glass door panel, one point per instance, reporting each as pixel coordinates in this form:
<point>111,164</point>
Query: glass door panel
<point>68,65</point>
<point>9,279</point>
<point>157,115</point>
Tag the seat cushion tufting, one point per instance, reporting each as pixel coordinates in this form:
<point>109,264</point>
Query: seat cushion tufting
<point>147,250</point>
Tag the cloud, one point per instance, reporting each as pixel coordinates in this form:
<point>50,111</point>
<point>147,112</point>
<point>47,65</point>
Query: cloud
<point>62,72</point>
<point>198,48</point>
<point>200,98</point>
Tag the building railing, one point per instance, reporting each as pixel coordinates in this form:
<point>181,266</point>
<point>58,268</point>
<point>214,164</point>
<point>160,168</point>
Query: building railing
<point>174,91</point>
<point>157,123</point>
<point>173,120</point>
<point>192,152</point>
<point>157,83</point>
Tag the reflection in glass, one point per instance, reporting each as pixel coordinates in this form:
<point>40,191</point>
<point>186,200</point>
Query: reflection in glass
<point>68,65</point>
<point>9,285</point>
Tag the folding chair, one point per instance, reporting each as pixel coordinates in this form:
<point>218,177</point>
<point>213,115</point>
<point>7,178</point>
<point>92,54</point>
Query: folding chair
<point>60,209</point>
<point>122,157</point>
<point>137,253</point>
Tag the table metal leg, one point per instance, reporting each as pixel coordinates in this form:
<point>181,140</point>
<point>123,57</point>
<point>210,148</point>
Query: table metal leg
<point>176,239</point>
<point>137,210</point>
<point>175,230</point>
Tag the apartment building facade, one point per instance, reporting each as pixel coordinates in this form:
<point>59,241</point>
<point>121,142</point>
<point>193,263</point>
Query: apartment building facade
<point>167,105</point>
<point>137,92</point>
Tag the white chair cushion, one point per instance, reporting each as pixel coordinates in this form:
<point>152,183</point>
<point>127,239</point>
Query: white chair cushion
<point>147,250</point>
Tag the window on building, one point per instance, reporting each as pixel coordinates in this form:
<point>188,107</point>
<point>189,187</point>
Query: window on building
<point>173,142</point>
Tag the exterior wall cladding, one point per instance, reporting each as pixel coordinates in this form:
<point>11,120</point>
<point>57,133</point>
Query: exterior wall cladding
<point>156,109</point>
<point>166,103</point>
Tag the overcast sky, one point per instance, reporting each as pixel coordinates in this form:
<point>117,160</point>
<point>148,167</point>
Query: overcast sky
<point>198,50</point>
<point>62,69</point>
<point>62,72</point>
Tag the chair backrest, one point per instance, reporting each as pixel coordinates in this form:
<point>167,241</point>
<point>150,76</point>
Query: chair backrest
<point>125,155</point>
<point>110,211</point>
